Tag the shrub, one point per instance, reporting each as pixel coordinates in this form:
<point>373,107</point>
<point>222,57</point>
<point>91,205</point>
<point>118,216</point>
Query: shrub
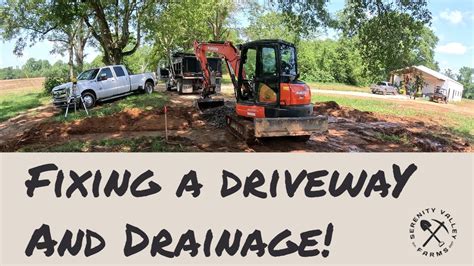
<point>56,76</point>
<point>52,81</point>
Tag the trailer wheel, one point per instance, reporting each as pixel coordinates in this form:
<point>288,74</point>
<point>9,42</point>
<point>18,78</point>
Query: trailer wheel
<point>179,86</point>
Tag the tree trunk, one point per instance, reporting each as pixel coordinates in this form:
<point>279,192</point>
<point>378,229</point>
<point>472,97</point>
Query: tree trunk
<point>70,50</point>
<point>114,43</point>
<point>114,57</point>
<point>81,38</point>
<point>79,56</point>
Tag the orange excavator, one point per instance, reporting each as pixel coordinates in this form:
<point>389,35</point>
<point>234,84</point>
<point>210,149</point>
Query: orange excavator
<point>271,101</point>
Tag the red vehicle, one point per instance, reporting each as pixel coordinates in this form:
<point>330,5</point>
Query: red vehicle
<point>271,101</point>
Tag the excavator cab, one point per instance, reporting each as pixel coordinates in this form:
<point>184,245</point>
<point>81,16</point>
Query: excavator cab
<point>266,64</point>
<point>269,81</point>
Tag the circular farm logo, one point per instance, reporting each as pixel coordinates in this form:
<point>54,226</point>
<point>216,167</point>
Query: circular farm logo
<point>433,232</point>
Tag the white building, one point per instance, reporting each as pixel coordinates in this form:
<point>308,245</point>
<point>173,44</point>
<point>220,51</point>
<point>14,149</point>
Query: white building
<point>431,79</point>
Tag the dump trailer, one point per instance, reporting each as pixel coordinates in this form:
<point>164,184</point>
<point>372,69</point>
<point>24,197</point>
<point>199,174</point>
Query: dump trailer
<point>185,74</point>
<point>270,100</point>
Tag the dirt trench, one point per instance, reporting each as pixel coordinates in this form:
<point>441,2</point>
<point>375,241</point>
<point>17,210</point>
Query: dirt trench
<point>349,130</point>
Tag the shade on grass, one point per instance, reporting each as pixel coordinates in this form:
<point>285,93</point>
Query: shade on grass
<point>13,104</point>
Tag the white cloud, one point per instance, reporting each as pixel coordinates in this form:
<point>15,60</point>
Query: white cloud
<point>455,48</point>
<point>454,16</point>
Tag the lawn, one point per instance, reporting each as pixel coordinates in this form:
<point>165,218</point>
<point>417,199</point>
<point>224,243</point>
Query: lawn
<point>459,123</point>
<point>337,87</point>
<point>11,104</point>
<point>141,101</point>
<point>318,85</point>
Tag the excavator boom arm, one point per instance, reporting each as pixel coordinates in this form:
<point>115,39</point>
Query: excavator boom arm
<point>226,50</point>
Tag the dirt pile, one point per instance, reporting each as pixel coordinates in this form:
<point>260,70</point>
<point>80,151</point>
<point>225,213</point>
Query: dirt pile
<point>331,108</point>
<point>129,120</point>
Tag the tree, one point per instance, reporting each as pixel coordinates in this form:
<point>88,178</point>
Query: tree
<point>466,78</point>
<point>32,65</point>
<point>268,25</point>
<point>448,72</point>
<point>82,37</point>
<point>30,21</point>
<point>140,62</point>
<point>389,33</point>
<point>422,53</point>
<point>114,23</point>
<point>218,18</point>
<point>10,73</point>
<point>175,25</point>
<point>466,75</point>
<point>304,17</point>
<point>63,39</point>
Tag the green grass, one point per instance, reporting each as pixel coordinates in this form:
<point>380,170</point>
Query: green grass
<point>458,123</point>
<point>403,139</point>
<point>369,105</point>
<point>141,144</point>
<point>337,87</point>
<point>318,85</point>
<point>14,103</point>
<point>141,101</point>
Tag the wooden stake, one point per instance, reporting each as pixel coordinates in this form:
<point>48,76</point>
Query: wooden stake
<point>166,123</point>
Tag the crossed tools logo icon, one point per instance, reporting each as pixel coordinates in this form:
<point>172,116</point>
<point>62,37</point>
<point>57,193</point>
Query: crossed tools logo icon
<point>433,232</point>
<point>427,226</point>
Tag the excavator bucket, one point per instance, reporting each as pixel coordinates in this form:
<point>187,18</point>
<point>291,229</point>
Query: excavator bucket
<point>290,126</point>
<point>208,103</point>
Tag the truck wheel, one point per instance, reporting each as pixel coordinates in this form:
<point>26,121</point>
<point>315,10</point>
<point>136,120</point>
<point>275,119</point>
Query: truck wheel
<point>88,99</point>
<point>179,86</point>
<point>148,87</point>
<point>168,86</point>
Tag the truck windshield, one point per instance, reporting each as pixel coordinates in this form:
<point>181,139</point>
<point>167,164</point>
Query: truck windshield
<point>288,60</point>
<point>88,74</point>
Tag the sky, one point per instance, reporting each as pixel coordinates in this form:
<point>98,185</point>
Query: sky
<point>453,23</point>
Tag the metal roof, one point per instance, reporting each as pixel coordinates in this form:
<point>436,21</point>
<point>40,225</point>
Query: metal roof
<point>268,41</point>
<point>430,72</point>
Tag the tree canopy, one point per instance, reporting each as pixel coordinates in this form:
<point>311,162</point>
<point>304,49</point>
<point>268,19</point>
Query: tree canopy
<point>361,43</point>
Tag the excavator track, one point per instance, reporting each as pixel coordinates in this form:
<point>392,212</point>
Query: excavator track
<point>241,128</point>
<point>300,128</point>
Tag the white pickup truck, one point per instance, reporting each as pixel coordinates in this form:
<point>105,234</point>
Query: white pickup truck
<point>103,83</point>
<point>384,87</point>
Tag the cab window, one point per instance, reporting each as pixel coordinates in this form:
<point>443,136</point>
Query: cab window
<point>288,60</point>
<point>268,61</point>
<point>119,71</point>
<point>107,71</point>
<point>250,64</point>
